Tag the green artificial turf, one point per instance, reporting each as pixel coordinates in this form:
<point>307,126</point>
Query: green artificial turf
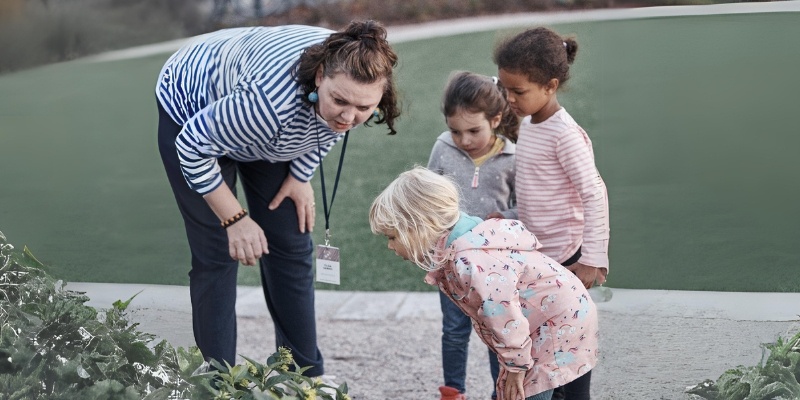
<point>691,120</point>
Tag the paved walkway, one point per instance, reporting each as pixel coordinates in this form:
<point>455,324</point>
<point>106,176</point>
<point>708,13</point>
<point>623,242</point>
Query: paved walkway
<point>156,305</point>
<point>654,343</point>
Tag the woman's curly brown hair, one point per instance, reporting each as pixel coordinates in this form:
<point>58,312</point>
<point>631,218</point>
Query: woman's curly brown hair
<point>362,52</point>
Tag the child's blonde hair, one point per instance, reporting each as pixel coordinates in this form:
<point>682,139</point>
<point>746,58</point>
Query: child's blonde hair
<point>418,208</point>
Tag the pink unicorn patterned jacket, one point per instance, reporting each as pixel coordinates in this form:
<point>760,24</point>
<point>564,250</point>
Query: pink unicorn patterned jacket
<point>532,312</point>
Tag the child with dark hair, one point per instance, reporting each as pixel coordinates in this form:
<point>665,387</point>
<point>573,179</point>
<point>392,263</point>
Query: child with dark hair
<point>561,197</point>
<point>477,152</point>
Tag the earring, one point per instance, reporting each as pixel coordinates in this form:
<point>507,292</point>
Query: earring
<point>313,96</point>
<point>376,112</point>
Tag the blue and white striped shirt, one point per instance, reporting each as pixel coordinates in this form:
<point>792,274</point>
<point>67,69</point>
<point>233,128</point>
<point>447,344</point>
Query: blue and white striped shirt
<point>234,94</point>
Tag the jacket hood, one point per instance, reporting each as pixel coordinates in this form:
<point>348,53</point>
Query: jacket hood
<point>505,235</point>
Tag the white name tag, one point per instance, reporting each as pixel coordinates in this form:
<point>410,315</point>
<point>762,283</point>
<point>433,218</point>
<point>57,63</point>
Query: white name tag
<point>328,264</point>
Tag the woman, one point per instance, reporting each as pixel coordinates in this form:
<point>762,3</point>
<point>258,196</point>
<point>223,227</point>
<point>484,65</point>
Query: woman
<point>266,104</point>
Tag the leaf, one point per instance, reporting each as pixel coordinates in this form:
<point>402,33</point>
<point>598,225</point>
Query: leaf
<point>162,393</point>
<point>264,396</point>
<point>239,372</point>
<point>189,360</point>
<point>122,306</point>
<point>776,380</point>
<point>276,380</point>
<point>730,385</point>
<point>219,367</point>
<point>139,352</point>
<point>30,259</point>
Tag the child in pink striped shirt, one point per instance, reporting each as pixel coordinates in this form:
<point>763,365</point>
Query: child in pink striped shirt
<point>561,197</point>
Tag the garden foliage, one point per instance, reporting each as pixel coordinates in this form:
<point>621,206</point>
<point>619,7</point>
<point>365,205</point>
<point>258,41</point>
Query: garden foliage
<point>53,346</point>
<point>776,378</point>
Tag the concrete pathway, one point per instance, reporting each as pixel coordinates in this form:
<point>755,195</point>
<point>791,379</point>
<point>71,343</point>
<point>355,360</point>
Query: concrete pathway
<point>356,306</point>
<point>156,302</point>
<point>654,343</point>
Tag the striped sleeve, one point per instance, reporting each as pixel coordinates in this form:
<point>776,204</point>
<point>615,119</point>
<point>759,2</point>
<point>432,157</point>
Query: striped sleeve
<point>303,167</point>
<point>234,93</point>
<point>231,124</point>
<point>575,156</point>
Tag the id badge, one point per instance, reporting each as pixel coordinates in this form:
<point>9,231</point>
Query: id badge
<point>328,264</point>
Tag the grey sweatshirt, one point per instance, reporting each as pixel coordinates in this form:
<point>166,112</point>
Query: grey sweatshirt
<point>495,178</point>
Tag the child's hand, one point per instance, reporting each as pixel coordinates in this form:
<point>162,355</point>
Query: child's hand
<point>514,390</point>
<point>602,273</point>
<point>588,275</point>
<point>495,215</point>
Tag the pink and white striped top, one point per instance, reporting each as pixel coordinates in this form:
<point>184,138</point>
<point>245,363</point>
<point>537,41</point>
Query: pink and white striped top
<point>561,197</point>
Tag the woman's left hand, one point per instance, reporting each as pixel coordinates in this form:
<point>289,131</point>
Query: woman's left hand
<point>515,388</point>
<point>303,196</point>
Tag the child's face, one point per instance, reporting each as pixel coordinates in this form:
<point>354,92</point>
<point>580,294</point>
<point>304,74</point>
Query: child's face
<point>524,97</point>
<point>396,246</point>
<point>472,132</point>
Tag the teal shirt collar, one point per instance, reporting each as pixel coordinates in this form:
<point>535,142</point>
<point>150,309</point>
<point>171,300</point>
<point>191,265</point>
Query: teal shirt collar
<point>465,224</point>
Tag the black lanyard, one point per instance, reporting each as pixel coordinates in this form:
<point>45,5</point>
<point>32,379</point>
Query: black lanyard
<point>335,184</point>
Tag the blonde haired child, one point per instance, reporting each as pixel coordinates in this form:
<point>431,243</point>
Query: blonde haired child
<point>529,310</point>
<point>477,152</point>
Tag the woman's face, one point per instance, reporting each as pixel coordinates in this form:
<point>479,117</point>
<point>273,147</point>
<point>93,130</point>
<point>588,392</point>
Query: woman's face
<point>343,102</point>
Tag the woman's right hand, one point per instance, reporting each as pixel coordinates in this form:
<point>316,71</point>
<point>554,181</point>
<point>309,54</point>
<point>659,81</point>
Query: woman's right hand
<point>246,241</point>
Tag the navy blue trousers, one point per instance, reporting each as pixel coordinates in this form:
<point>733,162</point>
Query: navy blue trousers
<point>287,274</point>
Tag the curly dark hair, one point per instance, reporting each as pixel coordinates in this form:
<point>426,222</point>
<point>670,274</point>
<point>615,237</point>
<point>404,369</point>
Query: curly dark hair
<point>480,94</point>
<point>539,53</point>
<point>362,52</point>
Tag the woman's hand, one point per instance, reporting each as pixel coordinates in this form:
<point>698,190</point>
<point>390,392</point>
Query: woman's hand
<point>515,388</point>
<point>246,241</point>
<point>303,196</point>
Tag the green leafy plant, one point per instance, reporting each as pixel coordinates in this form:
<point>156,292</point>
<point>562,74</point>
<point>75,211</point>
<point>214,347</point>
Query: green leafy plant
<point>274,380</point>
<point>53,346</point>
<point>776,378</point>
